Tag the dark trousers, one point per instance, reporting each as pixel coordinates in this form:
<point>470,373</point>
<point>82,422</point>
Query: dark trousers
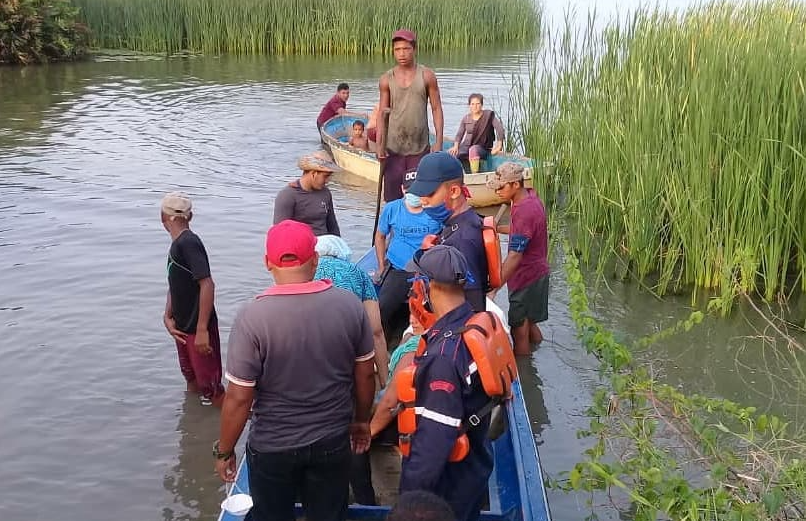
<point>393,298</point>
<point>395,170</point>
<point>319,474</point>
<point>361,480</point>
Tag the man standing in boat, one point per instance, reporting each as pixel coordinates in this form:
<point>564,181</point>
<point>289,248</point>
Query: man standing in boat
<point>406,89</point>
<point>302,352</point>
<point>448,392</point>
<point>440,185</point>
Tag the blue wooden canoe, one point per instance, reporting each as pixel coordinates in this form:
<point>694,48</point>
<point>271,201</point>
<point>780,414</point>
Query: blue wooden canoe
<point>516,486</point>
<point>335,135</point>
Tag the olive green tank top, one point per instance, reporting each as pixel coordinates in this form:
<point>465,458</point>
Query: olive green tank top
<point>408,120</point>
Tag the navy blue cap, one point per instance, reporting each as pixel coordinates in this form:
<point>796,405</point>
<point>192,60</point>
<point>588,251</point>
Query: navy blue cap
<point>434,169</point>
<point>440,263</point>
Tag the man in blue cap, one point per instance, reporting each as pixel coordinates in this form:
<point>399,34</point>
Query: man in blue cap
<point>448,393</point>
<point>441,187</point>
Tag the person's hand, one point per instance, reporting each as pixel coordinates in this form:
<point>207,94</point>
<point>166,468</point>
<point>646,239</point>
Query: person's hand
<point>381,372</point>
<point>381,154</point>
<point>377,277</point>
<point>202,342</point>
<point>436,147</point>
<point>170,325</point>
<point>360,438</point>
<point>429,241</point>
<point>454,150</point>
<point>226,470</point>
<point>497,149</point>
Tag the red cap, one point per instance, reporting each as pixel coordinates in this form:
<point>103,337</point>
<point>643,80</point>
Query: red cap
<point>404,34</point>
<point>290,238</point>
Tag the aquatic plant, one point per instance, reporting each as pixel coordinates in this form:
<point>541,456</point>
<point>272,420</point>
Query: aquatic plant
<point>663,454</point>
<point>39,31</point>
<point>304,26</point>
<point>679,139</point>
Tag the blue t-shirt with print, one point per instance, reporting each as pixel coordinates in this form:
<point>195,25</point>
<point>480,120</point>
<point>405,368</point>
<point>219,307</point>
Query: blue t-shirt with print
<point>408,231</point>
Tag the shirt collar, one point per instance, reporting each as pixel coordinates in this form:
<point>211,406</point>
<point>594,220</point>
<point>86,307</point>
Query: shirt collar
<point>450,319</point>
<point>302,288</point>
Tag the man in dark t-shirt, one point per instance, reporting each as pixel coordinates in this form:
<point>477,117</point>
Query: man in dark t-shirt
<point>440,185</point>
<point>190,316</point>
<point>301,356</point>
<point>308,199</point>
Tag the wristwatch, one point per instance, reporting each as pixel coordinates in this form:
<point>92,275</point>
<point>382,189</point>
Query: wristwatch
<point>222,455</point>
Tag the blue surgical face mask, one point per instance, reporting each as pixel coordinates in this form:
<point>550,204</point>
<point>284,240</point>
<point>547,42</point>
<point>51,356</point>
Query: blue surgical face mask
<point>413,200</point>
<point>439,213</point>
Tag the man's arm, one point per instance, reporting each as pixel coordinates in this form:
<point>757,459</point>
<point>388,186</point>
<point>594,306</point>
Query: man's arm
<point>283,206</point>
<point>234,413</point>
<point>332,223</point>
<point>436,108</point>
<point>380,250</point>
<point>510,264</point>
<point>378,339</point>
<point>385,103</point>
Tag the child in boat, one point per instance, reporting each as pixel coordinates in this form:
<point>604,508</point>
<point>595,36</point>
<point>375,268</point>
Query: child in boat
<point>358,140</point>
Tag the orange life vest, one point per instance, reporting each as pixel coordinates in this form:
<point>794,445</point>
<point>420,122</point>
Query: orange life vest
<point>494,360</point>
<point>492,249</point>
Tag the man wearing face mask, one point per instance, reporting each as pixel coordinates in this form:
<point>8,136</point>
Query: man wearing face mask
<point>407,224</point>
<point>440,185</point>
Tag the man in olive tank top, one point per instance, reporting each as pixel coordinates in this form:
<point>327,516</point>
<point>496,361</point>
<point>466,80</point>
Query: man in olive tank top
<point>407,89</point>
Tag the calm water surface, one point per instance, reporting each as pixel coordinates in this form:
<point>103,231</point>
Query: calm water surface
<point>95,421</point>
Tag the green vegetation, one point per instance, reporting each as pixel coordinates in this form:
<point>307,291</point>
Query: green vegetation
<point>304,26</point>
<point>39,31</point>
<point>679,141</point>
<point>660,454</point>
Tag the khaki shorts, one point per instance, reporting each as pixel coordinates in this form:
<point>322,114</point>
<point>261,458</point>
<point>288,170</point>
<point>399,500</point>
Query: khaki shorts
<point>531,302</point>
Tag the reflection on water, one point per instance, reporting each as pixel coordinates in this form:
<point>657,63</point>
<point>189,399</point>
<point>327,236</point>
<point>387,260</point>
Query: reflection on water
<point>193,486</point>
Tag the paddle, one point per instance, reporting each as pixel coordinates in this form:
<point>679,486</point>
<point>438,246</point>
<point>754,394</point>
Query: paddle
<point>500,213</point>
<point>383,123</point>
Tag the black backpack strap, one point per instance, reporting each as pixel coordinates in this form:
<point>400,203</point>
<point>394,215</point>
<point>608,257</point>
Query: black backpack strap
<point>475,419</point>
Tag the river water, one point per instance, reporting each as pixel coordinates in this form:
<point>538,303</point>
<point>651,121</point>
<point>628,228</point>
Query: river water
<point>95,420</point>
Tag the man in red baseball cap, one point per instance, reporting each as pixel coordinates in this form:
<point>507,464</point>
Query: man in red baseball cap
<point>407,89</point>
<point>303,352</point>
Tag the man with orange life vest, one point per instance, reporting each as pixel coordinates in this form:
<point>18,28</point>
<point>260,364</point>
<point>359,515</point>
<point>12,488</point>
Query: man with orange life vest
<point>440,185</point>
<point>448,393</point>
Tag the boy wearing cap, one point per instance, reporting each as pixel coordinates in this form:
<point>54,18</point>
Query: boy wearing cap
<point>525,269</point>
<point>408,225</point>
<point>448,391</point>
<point>406,89</point>
<point>308,200</point>
<point>302,352</point>
<point>190,316</point>
<point>440,185</point>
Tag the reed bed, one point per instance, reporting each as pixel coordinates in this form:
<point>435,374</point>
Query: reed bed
<point>680,140</point>
<point>305,26</point>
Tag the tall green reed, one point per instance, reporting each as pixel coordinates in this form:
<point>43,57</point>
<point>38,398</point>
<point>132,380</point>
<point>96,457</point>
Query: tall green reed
<point>680,140</point>
<point>305,26</point>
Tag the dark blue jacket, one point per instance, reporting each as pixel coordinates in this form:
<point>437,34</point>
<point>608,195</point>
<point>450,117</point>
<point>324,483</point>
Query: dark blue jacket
<point>448,392</point>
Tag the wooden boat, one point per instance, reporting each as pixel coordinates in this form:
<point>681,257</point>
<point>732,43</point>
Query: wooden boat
<point>516,486</point>
<point>336,133</point>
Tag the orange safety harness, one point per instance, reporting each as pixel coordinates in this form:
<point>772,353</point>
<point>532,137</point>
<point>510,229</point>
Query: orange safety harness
<point>493,359</point>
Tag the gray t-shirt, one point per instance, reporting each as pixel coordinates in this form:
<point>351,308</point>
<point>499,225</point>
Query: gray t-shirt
<point>297,344</point>
<point>314,208</point>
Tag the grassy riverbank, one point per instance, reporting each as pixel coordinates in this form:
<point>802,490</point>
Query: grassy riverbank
<point>304,26</point>
<point>679,138</point>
